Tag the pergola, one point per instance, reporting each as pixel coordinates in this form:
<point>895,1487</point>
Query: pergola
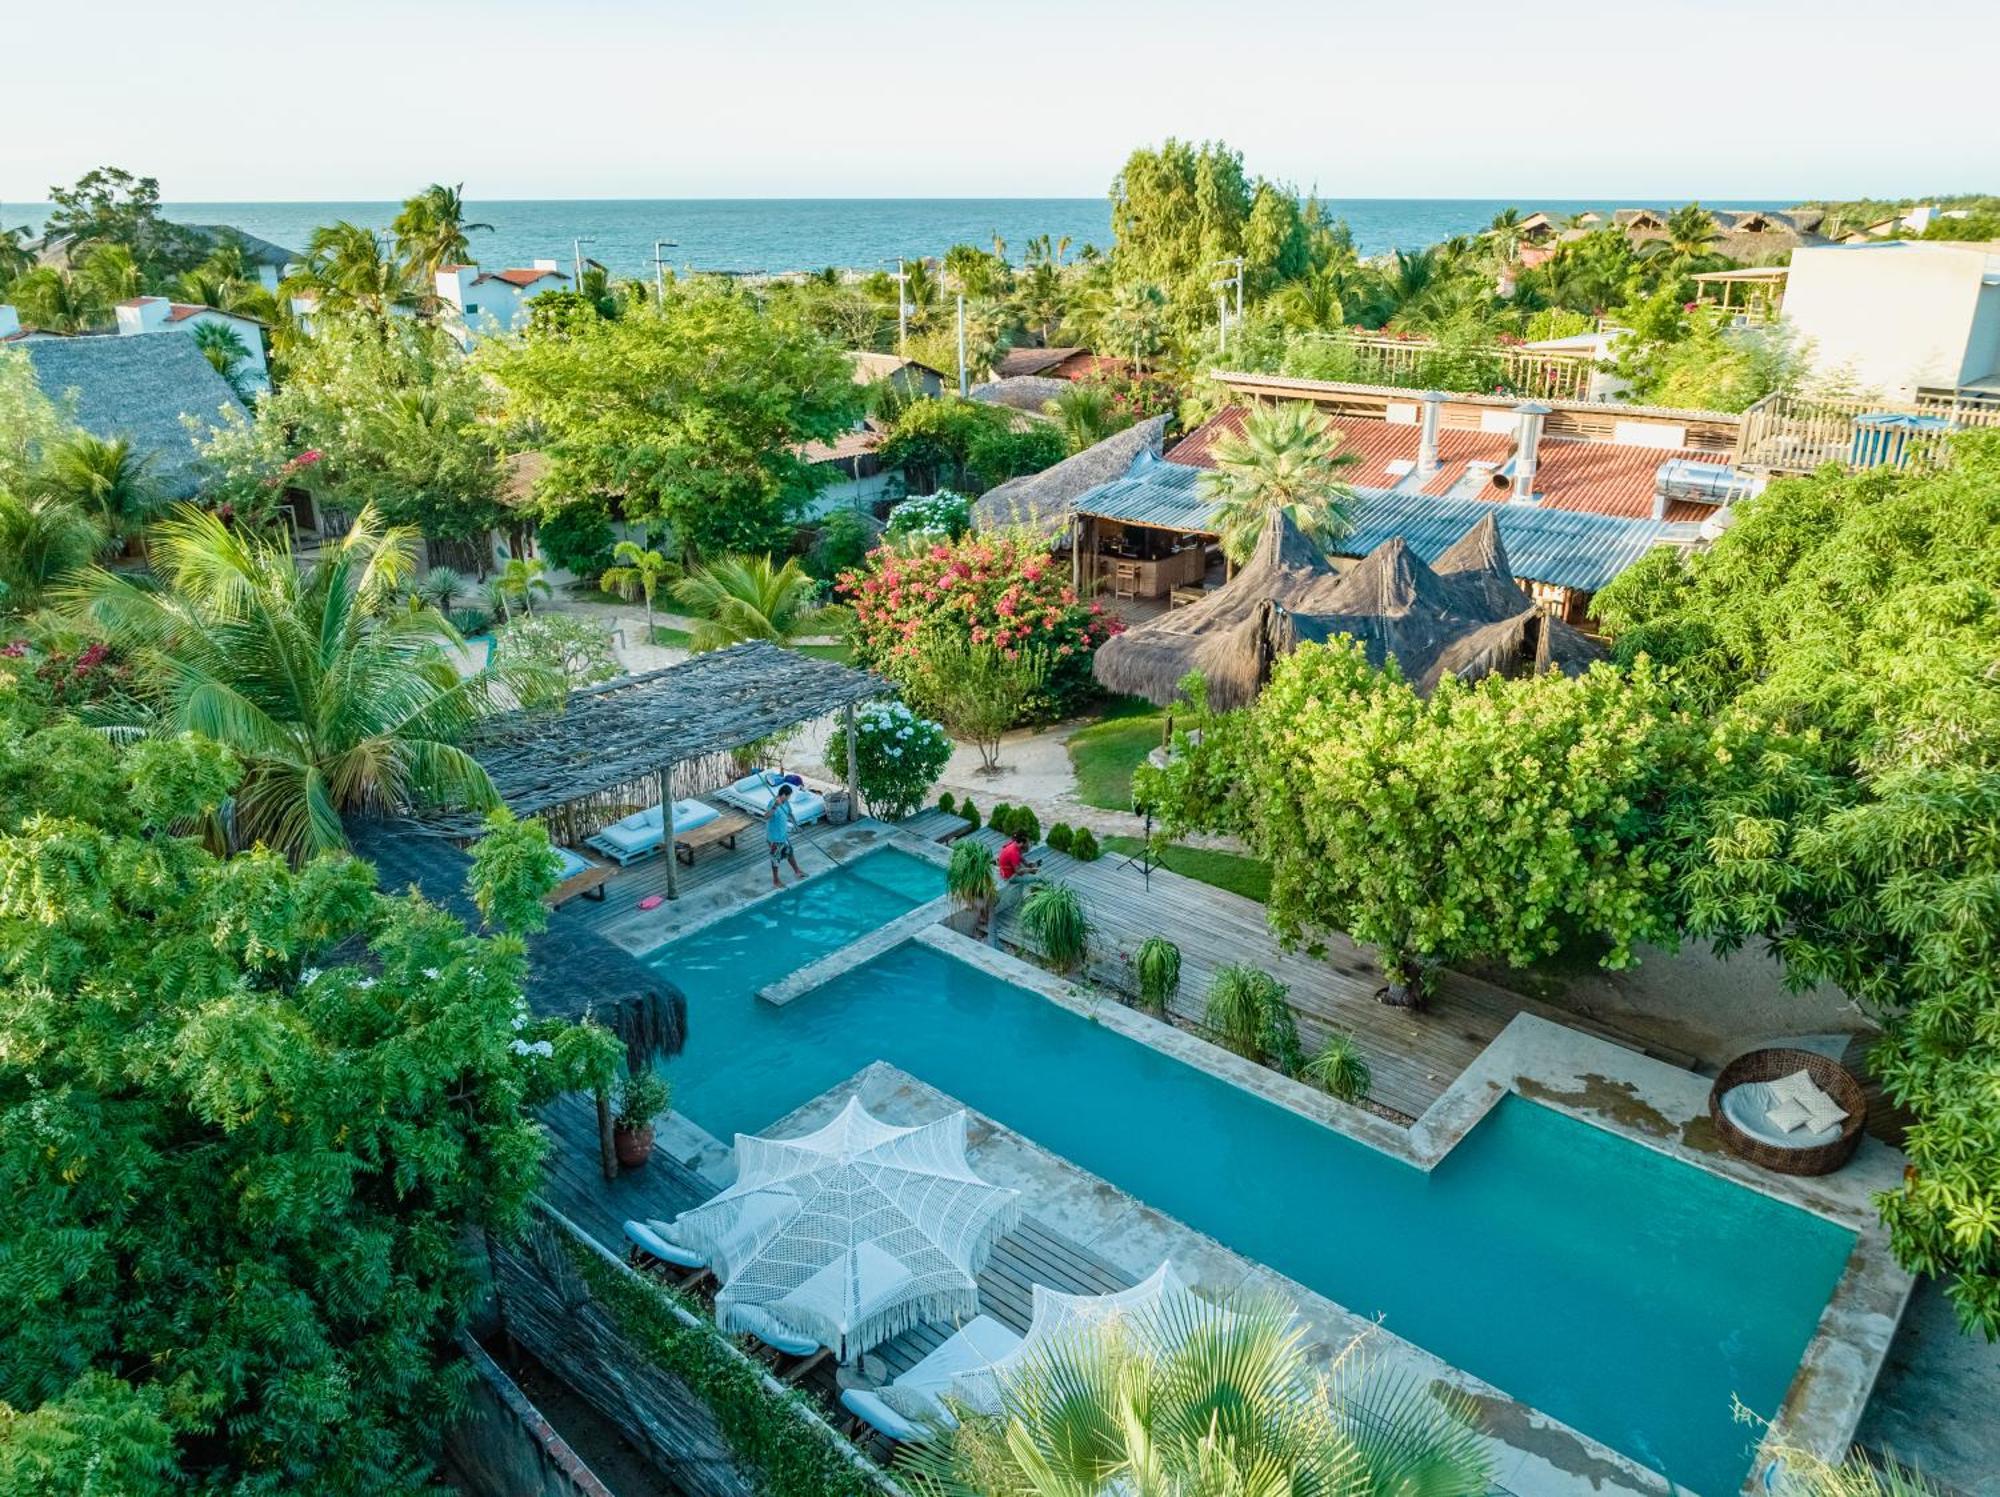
<point>647,738</point>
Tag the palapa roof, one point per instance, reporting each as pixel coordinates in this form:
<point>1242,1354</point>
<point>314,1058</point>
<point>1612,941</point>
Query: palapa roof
<point>1463,617</point>
<point>870,367</point>
<point>137,388</point>
<point>1045,499</point>
<point>1028,392</point>
<point>1016,362</point>
<point>625,731</point>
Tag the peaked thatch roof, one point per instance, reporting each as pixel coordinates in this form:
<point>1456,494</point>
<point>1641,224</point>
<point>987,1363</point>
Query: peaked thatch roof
<point>1028,392</point>
<point>1044,499</point>
<point>1465,616</point>
<point>137,387</point>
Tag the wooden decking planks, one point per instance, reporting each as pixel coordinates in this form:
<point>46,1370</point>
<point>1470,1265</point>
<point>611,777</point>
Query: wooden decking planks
<point>938,826</point>
<point>1414,1057</point>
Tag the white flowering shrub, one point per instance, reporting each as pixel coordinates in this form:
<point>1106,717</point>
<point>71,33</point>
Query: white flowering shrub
<point>897,756</point>
<point>943,516</point>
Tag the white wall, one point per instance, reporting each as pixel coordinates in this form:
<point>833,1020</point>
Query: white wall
<point>1889,316</point>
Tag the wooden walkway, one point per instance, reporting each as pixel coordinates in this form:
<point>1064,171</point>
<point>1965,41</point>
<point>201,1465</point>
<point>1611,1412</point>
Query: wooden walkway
<point>938,826</point>
<point>1031,1254</point>
<point>1414,1056</point>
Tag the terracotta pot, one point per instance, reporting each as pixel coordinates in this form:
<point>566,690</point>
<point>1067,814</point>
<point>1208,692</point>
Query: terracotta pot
<point>634,1146</point>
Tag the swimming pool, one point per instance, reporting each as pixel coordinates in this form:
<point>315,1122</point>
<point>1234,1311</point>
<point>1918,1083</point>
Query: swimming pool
<point>1625,1293</point>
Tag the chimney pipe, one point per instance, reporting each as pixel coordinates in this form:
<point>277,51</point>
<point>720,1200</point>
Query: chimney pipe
<point>1427,433</point>
<point>1527,448</point>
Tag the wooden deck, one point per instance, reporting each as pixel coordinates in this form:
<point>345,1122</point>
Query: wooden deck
<point>663,1188</point>
<point>1414,1056</point>
<point>936,825</point>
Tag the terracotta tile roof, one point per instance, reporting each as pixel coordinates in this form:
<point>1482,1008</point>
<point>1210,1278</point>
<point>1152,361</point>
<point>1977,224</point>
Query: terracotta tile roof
<point>1018,361</point>
<point>849,444</point>
<point>517,277</point>
<point>1599,478</point>
<point>139,301</point>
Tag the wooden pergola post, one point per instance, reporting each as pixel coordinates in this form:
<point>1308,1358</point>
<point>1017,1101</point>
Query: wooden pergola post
<point>853,765</point>
<point>666,774</point>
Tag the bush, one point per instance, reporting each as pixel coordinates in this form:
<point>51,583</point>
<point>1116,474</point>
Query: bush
<point>970,879</point>
<point>1083,845</point>
<point>1157,965</point>
<point>1248,1013</point>
<point>568,650</point>
<point>969,811</point>
<point>1059,835</point>
<point>945,803</point>
<point>843,542</point>
<point>1053,917</point>
<point>1002,818</point>
<point>1003,589</point>
<point>1338,1066</point>
<point>898,756</point>
<point>577,538</point>
<point>943,516</point>
<point>1024,824</point>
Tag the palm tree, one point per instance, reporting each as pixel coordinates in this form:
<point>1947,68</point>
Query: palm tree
<point>347,265</point>
<point>1042,297</point>
<point>337,697</point>
<point>738,598</point>
<point>1691,232</point>
<point>1287,459</point>
<point>522,580</point>
<point>105,478</point>
<point>1203,1399</point>
<point>113,273</point>
<point>638,571</point>
<point>57,299</point>
<point>15,256</point>
<point>431,232</point>
<point>1135,318</point>
<point>43,537</point>
<point>224,349</point>
<point>1087,415</point>
<point>1319,302</point>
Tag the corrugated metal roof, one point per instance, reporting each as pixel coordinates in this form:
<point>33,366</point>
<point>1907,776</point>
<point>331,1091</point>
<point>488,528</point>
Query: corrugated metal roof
<point>1562,547</point>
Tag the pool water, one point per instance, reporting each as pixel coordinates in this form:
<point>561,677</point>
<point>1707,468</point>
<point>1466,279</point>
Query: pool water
<point>1625,1293</point>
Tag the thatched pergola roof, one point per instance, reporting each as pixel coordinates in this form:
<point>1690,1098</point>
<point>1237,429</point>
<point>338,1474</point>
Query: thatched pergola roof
<point>610,746</point>
<point>1463,616</point>
<point>1045,500</point>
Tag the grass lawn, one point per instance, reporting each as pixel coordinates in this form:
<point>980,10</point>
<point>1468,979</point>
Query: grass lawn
<point>842,654</point>
<point>677,639</point>
<point>1249,877</point>
<point>1105,753</point>
<point>670,638</point>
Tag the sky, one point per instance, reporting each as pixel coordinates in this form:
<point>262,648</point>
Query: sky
<point>369,99</point>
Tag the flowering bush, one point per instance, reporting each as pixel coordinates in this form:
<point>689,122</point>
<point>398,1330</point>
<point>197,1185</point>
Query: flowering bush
<point>943,516</point>
<point>1002,588</point>
<point>897,756</point>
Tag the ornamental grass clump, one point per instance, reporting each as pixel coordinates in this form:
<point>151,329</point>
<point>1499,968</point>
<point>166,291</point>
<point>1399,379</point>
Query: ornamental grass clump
<point>1338,1067</point>
<point>969,878</point>
<point>1157,965</point>
<point>1248,1013</point>
<point>1054,919</point>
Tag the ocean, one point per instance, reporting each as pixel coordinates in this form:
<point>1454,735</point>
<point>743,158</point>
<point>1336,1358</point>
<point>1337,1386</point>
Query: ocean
<point>774,234</point>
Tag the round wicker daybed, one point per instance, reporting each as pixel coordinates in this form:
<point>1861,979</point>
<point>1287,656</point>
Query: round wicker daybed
<point>1811,1154</point>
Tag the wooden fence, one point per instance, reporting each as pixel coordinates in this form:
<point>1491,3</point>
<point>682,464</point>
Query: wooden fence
<point>1544,374</point>
<point>1797,434</point>
<point>550,1305</point>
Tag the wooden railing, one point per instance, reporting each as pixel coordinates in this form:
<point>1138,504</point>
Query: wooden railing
<point>1797,434</point>
<point>1545,374</point>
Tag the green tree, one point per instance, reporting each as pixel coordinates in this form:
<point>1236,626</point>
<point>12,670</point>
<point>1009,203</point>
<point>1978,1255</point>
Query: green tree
<point>56,299</point>
<point>556,653</point>
<point>110,206</point>
<point>1841,636</point>
<point>693,410</point>
<point>1087,414</point>
<point>431,232</point>
<point>105,478</point>
<point>1286,459</point>
<point>253,1124</point>
<point>638,572</point>
<point>739,598</point>
<point>348,267</point>
<point>1198,1398</point>
<point>338,696</point>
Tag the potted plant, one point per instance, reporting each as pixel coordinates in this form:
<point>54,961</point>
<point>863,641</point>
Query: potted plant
<point>642,1098</point>
<point>1054,918</point>
<point>969,879</point>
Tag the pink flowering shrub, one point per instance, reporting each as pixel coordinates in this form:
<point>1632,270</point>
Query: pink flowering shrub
<point>1002,588</point>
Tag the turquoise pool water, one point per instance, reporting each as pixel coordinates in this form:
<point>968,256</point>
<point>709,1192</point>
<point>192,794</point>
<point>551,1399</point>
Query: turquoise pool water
<point>1625,1293</point>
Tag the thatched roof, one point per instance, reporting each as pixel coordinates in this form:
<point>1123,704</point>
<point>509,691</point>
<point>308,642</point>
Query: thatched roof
<point>1017,362</point>
<point>601,755</point>
<point>137,387</point>
<point>1028,393</point>
<point>1044,499</point>
<point>1465,616</point>
<point>570,967</point>
<point>60,250</point>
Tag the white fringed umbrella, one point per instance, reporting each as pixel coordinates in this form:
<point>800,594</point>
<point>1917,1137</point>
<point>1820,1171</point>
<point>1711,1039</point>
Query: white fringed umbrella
<point>1058,1316</point>
<point>871,1229</point>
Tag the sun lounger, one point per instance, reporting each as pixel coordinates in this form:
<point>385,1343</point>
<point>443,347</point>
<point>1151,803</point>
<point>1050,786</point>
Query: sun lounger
<point>1749,1107</point>
<point>805,1351</point>
<point>643,832</point>
<point>580,876</point>
<point>755,793</point>
<point>646,1238</point>
<point>913,1406</point>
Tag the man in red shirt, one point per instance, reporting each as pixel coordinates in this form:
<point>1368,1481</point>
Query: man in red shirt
<point>1013,864</point>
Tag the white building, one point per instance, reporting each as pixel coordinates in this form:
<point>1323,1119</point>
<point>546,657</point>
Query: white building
<point>489,301</point>
<point>1899,318</point>
<point>143,315</point>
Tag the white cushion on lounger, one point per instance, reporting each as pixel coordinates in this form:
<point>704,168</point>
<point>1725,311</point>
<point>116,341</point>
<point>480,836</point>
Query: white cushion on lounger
<point>629,838</point>
<point>752,1320</point>
<point>689,814</point>
<point>907,1407</point>
<point>573,863</point>
<point>647,1237</point>
<point>1748,1107</point>
<point>869,1406</point>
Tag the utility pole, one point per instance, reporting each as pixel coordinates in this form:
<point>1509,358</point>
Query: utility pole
<point>576,246</point>
<point>1221,287</point>
<point>902,308</point>
<point>660,267</point>
<point>964,388</point>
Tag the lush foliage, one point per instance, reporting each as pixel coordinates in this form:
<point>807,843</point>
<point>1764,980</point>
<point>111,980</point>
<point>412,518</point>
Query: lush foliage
<point>1053,917</point>
<point>1205,1398</point>
<point>577,537</point>
<point>966,445</point>
<point>552,654</point>
<point>691,410</point>
<point>897,755</point>
<point>1083,846</point>
<point>1844,633</point>
<point>1339,1066</point>
<point>738,598</point>
<point>969,877</point>
<point>1284,461</point>
<point>1247,1011</point>
<point>253,1122</point>
<point>637,572</point>
<point>336,692</point>
<point>1157,967</point>
<point>642,1097</point>
<point>1002,589</point>
<point>943,516</point>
